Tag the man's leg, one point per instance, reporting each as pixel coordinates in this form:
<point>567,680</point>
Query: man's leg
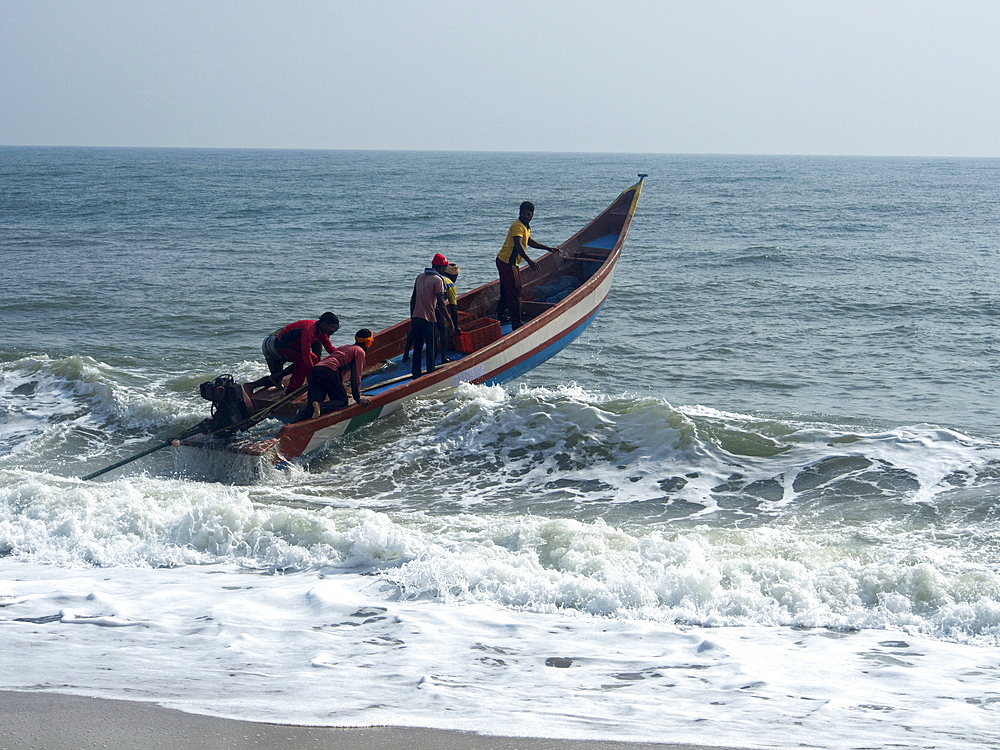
<point>503,270</point>
<point>418,344</point>
<point>443,340</point>
<point>315,395</point>
<point>408,346</point>
<point>274,364</point>
<point>301,369</point>
<point>326,389</point>
<point>514,302</point>
<point>510,293</point>
<point>430,335</point>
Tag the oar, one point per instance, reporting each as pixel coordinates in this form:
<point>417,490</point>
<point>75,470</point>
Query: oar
<point>186,434</point>
<point>250,421</point>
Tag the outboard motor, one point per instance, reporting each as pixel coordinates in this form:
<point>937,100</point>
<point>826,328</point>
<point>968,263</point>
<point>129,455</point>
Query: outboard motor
<point>230,403</point>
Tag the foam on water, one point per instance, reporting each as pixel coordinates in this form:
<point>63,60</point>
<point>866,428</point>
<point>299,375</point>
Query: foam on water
<point>66,409</point>
<point>883,574</point>
<point>339,649</point>
<point>564,451</point>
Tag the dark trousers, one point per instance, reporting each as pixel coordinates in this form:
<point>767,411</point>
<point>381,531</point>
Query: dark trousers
<point>327,383</point>
<point>423,335</point>
<point>510,293</point>
<point>443,341</point>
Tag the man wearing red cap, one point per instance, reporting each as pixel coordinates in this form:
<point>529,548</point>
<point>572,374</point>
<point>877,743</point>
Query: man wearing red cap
<point>428,295</point>
<point>515,247</point>
<point>447,320</point>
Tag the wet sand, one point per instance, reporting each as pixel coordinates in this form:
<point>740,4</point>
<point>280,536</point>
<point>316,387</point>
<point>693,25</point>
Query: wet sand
<point>49,721</point>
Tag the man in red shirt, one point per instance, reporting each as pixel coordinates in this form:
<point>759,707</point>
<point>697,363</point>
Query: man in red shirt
<point>298,343</point>
<point>326,379</point>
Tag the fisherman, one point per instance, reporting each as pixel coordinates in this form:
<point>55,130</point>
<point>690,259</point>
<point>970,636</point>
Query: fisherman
<point>443,318</point>
<point>428,295</point>
<point>298,343</point>
<point>515,247</point>
<point>446,332</point>
<point>326,379</point>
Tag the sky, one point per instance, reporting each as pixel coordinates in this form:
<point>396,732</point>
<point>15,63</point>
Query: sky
<point>839,77</point>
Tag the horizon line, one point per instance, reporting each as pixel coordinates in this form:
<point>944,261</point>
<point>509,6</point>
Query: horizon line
<point>502,151</point>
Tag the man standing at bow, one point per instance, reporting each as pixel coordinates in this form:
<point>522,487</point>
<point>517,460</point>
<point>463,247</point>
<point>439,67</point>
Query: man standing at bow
<point>515,247</point>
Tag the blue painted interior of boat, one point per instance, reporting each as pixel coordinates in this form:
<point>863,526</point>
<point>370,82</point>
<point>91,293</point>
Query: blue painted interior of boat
<point>607,242</point>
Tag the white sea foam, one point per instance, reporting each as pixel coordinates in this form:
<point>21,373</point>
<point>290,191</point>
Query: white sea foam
<point>73,406</point>
<point>339,649</point>
<point>770,575</point>
<point>547,450</point>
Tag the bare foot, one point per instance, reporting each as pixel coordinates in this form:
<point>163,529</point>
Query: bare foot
<point>316,411</point>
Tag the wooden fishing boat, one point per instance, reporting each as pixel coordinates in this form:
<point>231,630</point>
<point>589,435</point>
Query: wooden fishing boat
<point>488,352</point>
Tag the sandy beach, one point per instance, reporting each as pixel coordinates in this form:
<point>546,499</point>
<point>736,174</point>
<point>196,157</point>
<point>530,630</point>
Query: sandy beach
<point>49,721</point>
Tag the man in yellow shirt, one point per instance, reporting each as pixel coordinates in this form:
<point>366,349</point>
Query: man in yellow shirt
<point>515,247</point>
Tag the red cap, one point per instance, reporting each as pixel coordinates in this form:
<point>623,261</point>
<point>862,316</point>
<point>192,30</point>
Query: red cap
<point>439,260</point>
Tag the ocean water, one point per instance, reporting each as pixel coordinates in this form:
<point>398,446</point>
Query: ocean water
<point>755,504</point>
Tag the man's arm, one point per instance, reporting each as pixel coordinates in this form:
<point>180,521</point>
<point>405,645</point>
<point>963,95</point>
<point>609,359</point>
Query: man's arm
<point>359,364</point>
<point>323,340</point>
<point>357,369</point>
<point>540,246</point>
<point>307,340</point>
<point>521,251</point>
<point>442,305</point>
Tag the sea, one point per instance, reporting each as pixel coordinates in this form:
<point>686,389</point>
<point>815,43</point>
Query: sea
<point>755,504</point>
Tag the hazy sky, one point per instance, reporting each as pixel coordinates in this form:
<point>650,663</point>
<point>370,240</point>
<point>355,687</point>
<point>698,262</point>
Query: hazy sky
<point>888,77</point>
